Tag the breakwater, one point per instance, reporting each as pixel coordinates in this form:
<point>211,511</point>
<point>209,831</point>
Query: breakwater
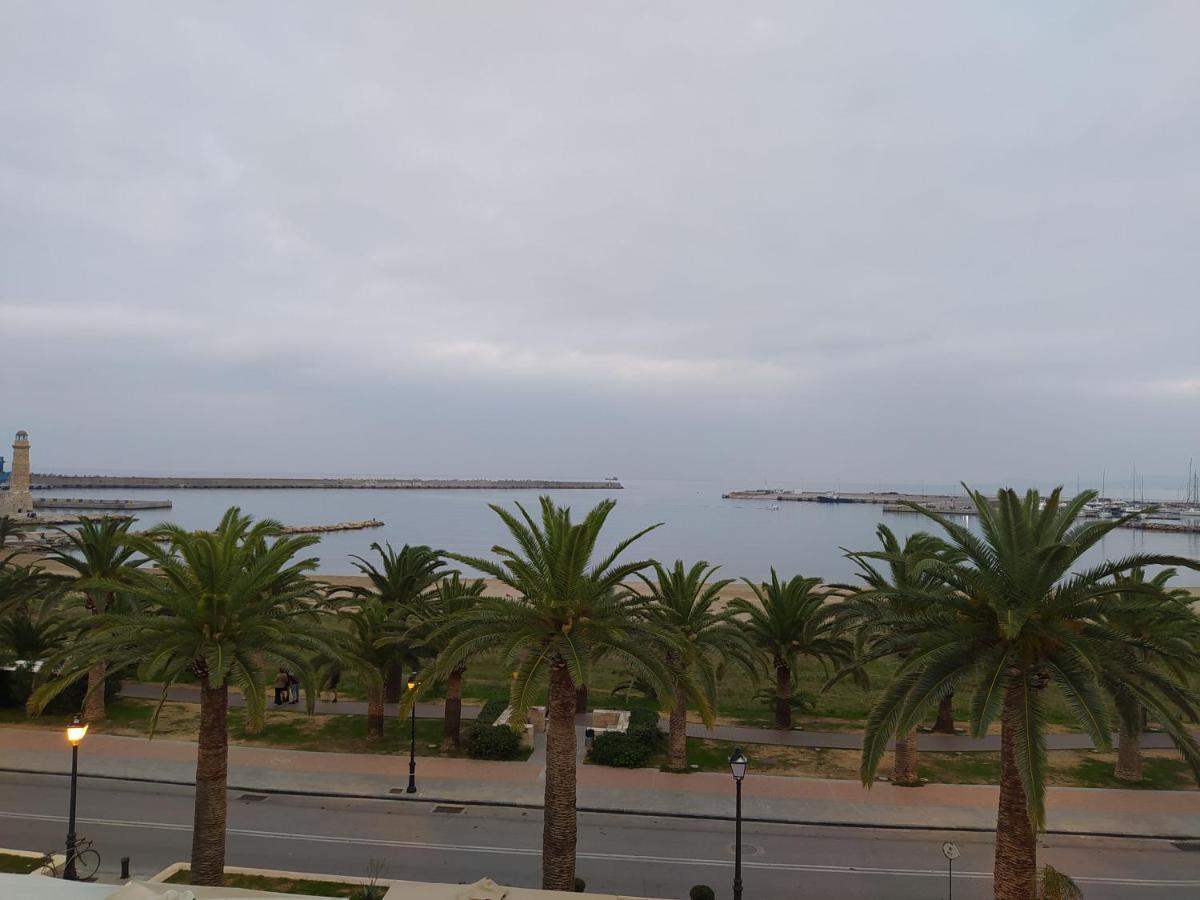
<point>138,482</point>
<point>97,503</point>
<point>337,526</point>
<point>933,501</point>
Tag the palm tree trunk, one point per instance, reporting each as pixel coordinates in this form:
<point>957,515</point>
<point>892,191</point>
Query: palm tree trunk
<point>945,715</point>
<point>93,704</point>
<point>558,830</point>
<point>904,769</point>
<point>581,699</point>
<point>212,769</point>
<point>375,713</point>
<point>451,723</point>
<point>783,695</point>
<point>393,680</point>
<point>1014,876</point>
<point>1129,754</point>
<point>677,742</point>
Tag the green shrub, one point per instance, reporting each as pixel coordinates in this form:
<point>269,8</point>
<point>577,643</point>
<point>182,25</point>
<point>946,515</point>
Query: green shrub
<point>612,748</point>
<point>701,892</point>
<point>643,726</point>
<point>493,742</point>
<point>490,711</point>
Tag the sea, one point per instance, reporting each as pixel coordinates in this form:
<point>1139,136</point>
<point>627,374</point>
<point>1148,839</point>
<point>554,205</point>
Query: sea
<point>746,538</point>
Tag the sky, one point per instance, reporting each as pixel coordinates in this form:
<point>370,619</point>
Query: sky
<point>754,243</point>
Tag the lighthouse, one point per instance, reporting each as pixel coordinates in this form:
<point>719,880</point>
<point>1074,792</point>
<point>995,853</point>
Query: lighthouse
<point>17,501</point>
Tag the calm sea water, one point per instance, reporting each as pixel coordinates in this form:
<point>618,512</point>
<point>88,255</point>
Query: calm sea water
<point>745,537</point>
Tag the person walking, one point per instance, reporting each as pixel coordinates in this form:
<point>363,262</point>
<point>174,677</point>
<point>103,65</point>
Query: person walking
<point>281,686</point>
<point>294,684</point>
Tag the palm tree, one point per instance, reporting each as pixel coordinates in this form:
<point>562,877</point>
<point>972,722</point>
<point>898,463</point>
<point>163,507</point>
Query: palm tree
<point>224,606</point>
<point>568,607</point>
<point>400,579</point>
<point>365,647</point>
<point>890,600</point>
<point>684,603</point>
<point>9,528</point>
<point>101,557</point>
<point>33,631</point>
<point>453,597</point>
<point>1169,635</point>
<point>792,620</point>
<point>1018,615</point>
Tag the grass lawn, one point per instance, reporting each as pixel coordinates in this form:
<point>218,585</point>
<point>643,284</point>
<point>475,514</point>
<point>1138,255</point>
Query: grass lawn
<point>280,885</point>
<point>1164,770</point>
<point>283,728</point>
<point>19,865</point>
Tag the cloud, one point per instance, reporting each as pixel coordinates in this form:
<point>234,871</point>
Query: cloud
<point>967,229</point>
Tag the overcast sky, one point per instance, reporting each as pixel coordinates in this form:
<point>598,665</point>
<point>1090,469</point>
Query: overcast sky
<point>749,242</point>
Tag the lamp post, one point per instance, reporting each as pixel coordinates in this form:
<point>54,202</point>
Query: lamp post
<point>737,765</point>
<point>75,733</point>
<point>412,741</point>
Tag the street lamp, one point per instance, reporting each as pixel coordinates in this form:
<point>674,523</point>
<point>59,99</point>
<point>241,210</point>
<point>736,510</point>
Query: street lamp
<point>413,681</point>
<point>737,765</point>
<point>75,733</point>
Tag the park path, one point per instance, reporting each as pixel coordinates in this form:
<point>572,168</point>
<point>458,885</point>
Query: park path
<point>831,740</point>
<point>601,789</point>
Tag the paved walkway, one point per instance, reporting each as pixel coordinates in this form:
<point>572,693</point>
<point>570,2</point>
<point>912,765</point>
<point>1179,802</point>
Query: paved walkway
<point>836,740</point>
<point>769,798</point>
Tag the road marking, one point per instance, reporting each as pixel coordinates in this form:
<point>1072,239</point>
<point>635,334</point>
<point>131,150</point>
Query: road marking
<point>601,857</point>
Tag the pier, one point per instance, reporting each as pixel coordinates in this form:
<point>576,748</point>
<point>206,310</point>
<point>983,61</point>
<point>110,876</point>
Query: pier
<point>138,482</point>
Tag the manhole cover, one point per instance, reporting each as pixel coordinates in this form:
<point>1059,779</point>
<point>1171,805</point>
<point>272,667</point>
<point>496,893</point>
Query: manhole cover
<point>449,809</point>
<point>252,798</point>
<point>747,849</point>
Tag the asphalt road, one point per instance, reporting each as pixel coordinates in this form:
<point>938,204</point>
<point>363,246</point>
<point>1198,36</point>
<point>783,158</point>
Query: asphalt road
<point>656,857</point>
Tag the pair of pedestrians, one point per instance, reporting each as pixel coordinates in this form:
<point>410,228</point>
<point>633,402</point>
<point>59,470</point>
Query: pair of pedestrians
<point>287,687</point>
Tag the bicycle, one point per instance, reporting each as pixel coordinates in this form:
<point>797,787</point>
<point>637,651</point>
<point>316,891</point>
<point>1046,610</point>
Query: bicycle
<point>87,862</point>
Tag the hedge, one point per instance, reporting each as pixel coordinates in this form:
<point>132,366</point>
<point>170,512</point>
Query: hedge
<point>632,749</point>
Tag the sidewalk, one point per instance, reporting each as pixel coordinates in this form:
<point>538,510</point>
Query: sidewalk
<point>1174,814</point>
<point>836,740</point>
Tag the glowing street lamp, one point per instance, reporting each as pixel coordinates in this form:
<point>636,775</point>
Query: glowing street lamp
<point>413,682</point>
<point>76,732</point>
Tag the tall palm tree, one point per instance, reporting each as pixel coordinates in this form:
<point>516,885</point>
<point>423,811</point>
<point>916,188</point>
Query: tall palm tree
<point>891,599</point>
<point>101,556</point>
<point>684,603</point>
<point>400,579</point>
<point>1168,632</point>
<point>452,597</point>
<point>568,607</point>
<point>224,606</point>
<point>791,620</point>
<point>33,631</point>
<point>1019,614</point>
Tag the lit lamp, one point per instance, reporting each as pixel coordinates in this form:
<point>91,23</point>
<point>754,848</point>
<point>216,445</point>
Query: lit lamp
<point>737,765</point>
<point>413,682</point>
<point>76,732</point>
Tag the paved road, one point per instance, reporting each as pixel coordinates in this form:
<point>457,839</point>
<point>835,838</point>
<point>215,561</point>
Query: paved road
<point>845,740</point>
<point>656,857</point>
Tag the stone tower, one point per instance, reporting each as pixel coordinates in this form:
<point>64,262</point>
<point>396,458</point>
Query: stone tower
<point>19,502</point>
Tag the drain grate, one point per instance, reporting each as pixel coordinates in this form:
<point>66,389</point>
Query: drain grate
<point>449,809</point>
<point>1193,846</point>
<point>252,798</point>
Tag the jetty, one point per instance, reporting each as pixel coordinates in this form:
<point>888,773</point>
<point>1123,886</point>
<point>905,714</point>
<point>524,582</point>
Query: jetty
<point>139,482</point>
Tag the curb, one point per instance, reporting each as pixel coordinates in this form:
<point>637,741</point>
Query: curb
<point>602,810</point>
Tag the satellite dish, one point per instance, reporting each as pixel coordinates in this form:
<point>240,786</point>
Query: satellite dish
<point>950,850</point>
